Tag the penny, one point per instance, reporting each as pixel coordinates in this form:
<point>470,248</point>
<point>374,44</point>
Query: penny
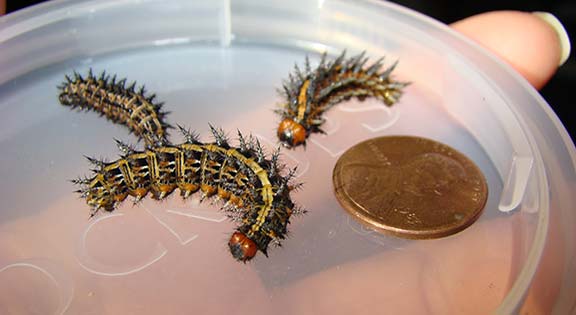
<point>410,187</point>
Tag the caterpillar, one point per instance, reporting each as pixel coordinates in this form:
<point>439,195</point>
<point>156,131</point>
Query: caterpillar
<point>309,93</point>
<point>119,102</point>
<point>253,191</point>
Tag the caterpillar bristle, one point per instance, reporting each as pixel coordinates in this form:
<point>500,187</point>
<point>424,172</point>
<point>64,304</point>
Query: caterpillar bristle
<point>96,162</point>
<point>243,146</point>
<point>124,148</point>
<point>189,136</point>
<point>219,136</point>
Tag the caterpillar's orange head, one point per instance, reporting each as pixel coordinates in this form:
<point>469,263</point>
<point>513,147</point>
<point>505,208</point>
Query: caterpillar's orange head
<point>241,247</point>
<point>291,133</point>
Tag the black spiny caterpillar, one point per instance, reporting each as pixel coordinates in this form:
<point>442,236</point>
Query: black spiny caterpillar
<point>255,193</point>
<point>310,93</point>
<point>119,102</point>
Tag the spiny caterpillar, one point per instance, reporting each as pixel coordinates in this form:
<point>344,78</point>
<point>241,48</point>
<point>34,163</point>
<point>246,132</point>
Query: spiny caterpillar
<point>254,191</point>
<point>309,93</point>
<point>119,102</point>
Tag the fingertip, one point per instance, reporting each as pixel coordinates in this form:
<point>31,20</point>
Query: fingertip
<point>524,40</point>
<point>561,32</point>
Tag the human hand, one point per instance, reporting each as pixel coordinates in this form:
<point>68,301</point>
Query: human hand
<point>438,277</point>
<point>534,44</point>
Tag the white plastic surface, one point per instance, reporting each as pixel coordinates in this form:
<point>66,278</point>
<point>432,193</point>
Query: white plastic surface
<point>220,62</point>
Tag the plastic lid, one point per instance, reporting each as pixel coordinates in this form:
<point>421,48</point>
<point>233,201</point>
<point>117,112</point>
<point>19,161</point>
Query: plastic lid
<point>220,62</point>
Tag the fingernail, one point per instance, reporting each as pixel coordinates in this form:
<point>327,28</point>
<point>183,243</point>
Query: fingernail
<point>560,30</point>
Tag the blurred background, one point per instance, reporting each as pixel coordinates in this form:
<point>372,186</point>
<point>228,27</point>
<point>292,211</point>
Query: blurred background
<point>556,92</point>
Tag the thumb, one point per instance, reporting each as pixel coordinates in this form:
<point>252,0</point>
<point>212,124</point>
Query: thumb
<point>535,44</point>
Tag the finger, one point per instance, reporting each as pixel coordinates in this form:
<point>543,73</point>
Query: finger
<point>534,44</point>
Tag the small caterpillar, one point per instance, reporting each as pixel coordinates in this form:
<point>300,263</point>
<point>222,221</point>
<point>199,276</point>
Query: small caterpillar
<point>119,103</point>
<point>310,93</point>
<point>255,193</point>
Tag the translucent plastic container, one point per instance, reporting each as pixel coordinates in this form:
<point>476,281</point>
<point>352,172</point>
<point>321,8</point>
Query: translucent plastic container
<point>220,62</point>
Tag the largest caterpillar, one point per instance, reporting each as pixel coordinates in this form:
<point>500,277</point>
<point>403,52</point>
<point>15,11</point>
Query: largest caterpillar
<point>254,191</point>
<point>310,93</point>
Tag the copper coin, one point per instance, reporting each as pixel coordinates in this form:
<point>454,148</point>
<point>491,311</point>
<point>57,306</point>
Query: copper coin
<point>410,187</point>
